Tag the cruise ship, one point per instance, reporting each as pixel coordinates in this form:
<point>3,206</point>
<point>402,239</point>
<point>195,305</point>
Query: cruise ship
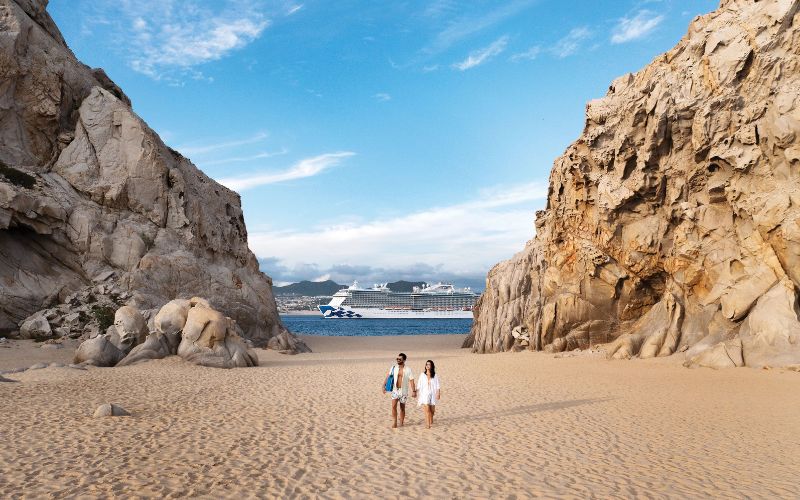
<point>441,300</point>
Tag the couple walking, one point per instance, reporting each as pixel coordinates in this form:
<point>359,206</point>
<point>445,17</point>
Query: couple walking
<point>398,381</point>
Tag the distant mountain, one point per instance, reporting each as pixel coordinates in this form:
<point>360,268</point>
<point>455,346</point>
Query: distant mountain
<point>309,288</point>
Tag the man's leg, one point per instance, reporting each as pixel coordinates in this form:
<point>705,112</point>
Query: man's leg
<point>402,413</point>
<point>394,414</point>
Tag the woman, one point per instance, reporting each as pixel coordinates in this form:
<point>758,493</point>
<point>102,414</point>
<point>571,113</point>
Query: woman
<point>429,391</point>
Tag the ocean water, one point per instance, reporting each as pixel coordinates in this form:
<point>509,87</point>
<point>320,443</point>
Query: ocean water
<point>317,325</point>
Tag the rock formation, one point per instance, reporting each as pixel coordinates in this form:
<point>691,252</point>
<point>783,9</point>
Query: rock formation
<point>89,193</point>
<point>192,329</point>
<point>673,222</point>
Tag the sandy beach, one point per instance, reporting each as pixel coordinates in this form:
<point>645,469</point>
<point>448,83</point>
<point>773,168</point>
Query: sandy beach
<point>510,425</point>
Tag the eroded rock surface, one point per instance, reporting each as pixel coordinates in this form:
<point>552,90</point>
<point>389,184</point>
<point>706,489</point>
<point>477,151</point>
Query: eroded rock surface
<point>90,190</point>
<point>673,223</point>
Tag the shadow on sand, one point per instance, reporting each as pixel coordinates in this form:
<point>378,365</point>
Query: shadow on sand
<point>520,410</point>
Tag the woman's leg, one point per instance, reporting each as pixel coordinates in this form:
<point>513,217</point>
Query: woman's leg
<point>427,416</point>
<point>433,412</point>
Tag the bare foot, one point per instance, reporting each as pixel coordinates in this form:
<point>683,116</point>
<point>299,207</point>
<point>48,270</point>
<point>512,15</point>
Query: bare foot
<point>394,426</point>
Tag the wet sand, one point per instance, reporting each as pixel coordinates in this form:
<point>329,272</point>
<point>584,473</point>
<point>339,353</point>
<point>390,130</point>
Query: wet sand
<point>317,425</point>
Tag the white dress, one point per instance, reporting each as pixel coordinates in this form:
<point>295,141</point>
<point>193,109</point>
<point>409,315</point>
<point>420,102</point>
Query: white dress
<point>427,389</point>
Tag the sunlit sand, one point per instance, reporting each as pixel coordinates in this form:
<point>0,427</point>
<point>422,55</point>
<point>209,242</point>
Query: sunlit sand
<point>524,424</point>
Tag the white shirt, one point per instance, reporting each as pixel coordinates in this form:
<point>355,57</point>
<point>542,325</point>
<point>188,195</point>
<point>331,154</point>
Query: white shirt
<point>427,388</point>
<point>407,375</point>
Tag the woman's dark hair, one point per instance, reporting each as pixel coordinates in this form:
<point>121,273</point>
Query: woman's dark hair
<point>433,368</point>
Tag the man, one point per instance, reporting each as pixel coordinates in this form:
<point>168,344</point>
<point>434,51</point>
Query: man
<point>403,377</point>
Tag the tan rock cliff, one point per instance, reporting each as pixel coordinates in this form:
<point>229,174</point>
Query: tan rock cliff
<point>673,222</point>
<point>87,189</point>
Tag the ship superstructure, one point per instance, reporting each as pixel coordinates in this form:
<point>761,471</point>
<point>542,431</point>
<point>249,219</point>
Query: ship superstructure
<point>441,300</point>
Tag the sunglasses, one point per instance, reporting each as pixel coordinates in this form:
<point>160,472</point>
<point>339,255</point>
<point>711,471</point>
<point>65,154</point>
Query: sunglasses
<point>399,359</point>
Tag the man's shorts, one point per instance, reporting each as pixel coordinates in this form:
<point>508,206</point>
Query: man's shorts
<point>399,395</point>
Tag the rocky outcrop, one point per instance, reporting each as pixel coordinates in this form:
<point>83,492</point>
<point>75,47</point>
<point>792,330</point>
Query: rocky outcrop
<point>88,189</point>
<point>673,222</point>
<point>192,329</point>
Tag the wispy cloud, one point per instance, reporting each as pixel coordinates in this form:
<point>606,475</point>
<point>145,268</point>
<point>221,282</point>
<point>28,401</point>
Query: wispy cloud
<point>208,148</point>
<point>467,237</point>
<point>529,55</point>
<point>382,97</point>
<point>634,28</point>
<point>466,26</point>
<point>438,8</point>
<point>480,56</point>
<point>571,43</point>
<point>167,40</point>
<point>304,168</point>
<point>293,9</point>
<point>241,159</point>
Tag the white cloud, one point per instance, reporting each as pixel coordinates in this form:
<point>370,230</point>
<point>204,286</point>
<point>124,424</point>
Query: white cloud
<point>382,97</point>
<point>570,44</point>
<point>530,54</point>
<point>169,40</point>
<point>465,238</point>
<point>480,56</point>
<point>240,159</point>
<point>207,148</point>
<point>294,9</point>
<point>634,28</point>
<point>304,168</point>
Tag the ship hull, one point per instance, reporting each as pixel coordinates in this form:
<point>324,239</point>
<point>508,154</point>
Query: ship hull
<point>344,312</point>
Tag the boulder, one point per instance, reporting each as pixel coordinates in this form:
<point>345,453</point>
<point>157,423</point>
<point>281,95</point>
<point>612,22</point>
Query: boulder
<point>98,351</point>
<point>130,327</point>
<point>157,345</point>
<point>172,316</point>
<point>110,410</point>
<point>35,327</point>
<point>210,339</point>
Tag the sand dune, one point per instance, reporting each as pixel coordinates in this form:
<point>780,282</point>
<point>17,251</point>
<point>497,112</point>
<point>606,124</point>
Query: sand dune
<point>316,425</point>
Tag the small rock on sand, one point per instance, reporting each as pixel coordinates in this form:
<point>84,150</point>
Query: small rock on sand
<point>110,410</point>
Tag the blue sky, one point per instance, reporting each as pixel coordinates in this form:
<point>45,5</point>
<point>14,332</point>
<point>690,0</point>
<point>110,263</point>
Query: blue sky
<point>374,140</point>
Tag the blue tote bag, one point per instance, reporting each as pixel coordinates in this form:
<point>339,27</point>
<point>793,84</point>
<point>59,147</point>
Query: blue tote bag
<point>390,381</point>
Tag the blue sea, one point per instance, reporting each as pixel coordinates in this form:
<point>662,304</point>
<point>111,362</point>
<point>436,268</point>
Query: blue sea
<point>317,325</point>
